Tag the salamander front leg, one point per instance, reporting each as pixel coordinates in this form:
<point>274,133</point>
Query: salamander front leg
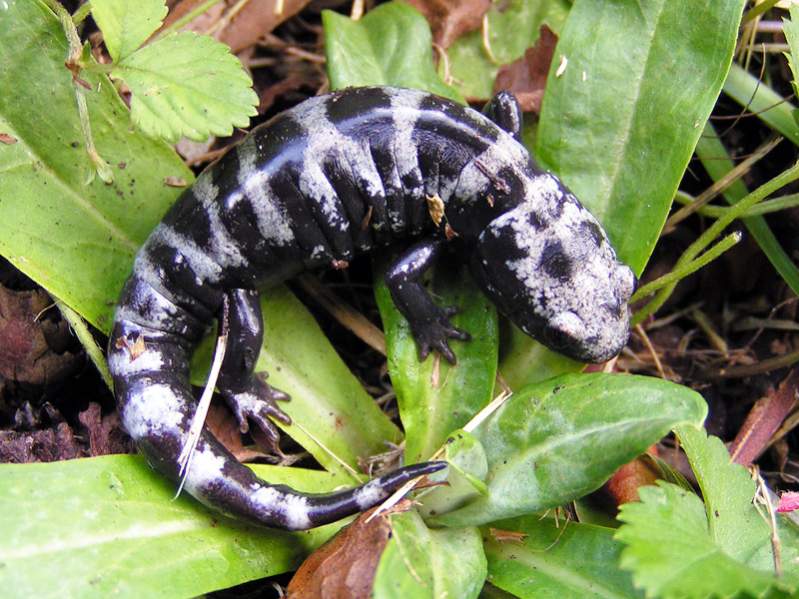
<point>430,323</point>
<point>246,392</point>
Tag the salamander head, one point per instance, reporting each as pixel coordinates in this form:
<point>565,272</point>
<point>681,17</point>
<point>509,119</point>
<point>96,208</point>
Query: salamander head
<point>550,268</point>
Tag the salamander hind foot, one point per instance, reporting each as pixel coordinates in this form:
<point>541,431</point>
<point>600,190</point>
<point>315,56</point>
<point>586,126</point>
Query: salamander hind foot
<point>257,403</point>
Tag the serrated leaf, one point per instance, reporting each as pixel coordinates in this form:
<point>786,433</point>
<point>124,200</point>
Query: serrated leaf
<point>513,26</point>
<point>127,25</point>
<point>334,418</point>
<point>619,124</point>
<point>791,30</point>
<point>556,441</point>
<point>74,239</point>
<point>187,85</point>
<point>727,489</point>
<point>391,45</point>
<point>678,546</point>
<point>556,561</point>
<point>670,552</point>
<point>422,563</point>
<point>435,397</point>
<point>108,526</point>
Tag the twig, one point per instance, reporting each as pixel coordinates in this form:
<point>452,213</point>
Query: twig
<point>198,420</point>
<point>720,185</point>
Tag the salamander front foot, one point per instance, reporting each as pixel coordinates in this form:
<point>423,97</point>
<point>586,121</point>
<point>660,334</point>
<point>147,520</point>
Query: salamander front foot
<point>434,334</point>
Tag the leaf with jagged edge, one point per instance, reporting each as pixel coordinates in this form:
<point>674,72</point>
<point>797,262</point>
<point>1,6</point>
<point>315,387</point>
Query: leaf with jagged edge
<point>187,85</point>
<point>127,25</point>
<point>680,547</point>
<point>790,28</point>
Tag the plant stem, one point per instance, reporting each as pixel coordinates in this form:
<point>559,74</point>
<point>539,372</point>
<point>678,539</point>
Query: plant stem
<point>73,64</point>
<point>721,184</point>
<point>787,176</point>
<point>765,207</point>
<point>683,271</point>
<point>758,10</point>
<point>83,11</point>
<point>87,340</point>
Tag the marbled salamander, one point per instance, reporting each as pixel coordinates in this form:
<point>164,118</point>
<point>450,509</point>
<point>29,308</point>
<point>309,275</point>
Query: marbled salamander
<point>339,175</point>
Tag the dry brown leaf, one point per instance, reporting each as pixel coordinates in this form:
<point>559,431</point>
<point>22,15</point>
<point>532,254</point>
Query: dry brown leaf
<point>526,78</point>
<point>245,28</point>
<point>764,419</point>
<point>224,427</point>
<point>623,485</point>
<point>34,343</point>
<point>49,445</point>
<point>105,432</point>
<point>450,19</point>
<point>344,567</point>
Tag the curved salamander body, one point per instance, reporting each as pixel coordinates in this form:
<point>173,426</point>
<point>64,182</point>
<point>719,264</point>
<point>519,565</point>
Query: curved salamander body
<point>336,176</point>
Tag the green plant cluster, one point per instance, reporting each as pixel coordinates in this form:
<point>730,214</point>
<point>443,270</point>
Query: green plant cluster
<point>619,125</point>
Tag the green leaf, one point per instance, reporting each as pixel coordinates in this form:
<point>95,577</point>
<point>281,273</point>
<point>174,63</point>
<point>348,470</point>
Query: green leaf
<point>108,526</point>
<point>434,397</point>
<point>467,469</point>
<point>619,124</point>
<point>671,553</point>
<point>127,25</point>
<point>714,157</point>
<point>740,530</point>
<point>76,240</point>
<point>391,45</point>
<point>422,563</point>
<point>525,361</point>
<point>334,419</point>
<point>759,99</point>
<point>187,85</point>
<point>679,547</point>
<point>557,561</point>
<point>559,440</point>
<point>791,30</point>
<point>512,28</point>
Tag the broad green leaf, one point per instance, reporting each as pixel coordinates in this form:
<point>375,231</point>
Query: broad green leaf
<point>422,563</point>
<point>791,30</point>
<point>74,239</point>
<point>558,440</point>
<point>391,45</point>
<point>620,123</point>
<point>108,526</point>
<point>676,546</point>
<point>715,159</point>
<point>524,361</point>
<point>334,419</point>
<point>759,99</point>
<point>513,26</point>
<point>434,397</point>
<point>466,471</point>
<point>187,85</point>
<point>127,25</point>
<point>557,561</point>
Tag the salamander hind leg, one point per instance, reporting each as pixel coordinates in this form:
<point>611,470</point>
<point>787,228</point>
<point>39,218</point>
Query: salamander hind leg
<point>244,390</point>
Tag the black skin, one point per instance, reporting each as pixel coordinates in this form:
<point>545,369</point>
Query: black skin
<point>430,324</point>
<point>170,326</point>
